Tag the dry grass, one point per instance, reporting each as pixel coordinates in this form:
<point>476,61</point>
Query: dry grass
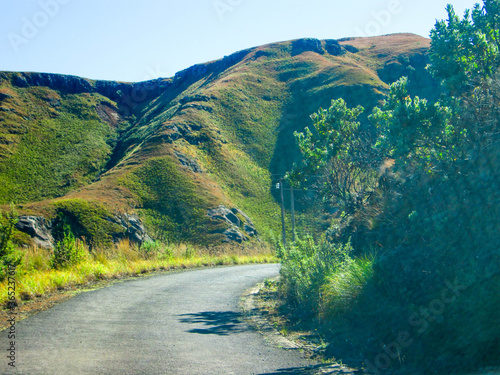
<point>35,278</point>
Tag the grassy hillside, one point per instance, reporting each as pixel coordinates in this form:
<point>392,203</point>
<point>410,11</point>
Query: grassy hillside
<point>215,134</point>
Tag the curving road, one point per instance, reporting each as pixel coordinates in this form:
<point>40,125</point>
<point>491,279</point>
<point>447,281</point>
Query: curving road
<point>181,323</point>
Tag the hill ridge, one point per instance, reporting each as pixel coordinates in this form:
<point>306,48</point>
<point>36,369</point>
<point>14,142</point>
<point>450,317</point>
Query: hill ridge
<point>171,149</point>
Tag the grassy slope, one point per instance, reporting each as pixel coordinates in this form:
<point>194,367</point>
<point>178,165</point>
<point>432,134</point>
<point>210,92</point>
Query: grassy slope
<point>236,119</point>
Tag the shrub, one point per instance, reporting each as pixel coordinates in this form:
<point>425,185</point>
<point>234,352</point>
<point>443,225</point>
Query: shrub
<point>305,268</point>
<point>69,251</point>
<point>9,256</point>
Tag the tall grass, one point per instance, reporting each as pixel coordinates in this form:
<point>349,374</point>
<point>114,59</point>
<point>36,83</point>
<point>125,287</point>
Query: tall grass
<point>319,280</point>
<point>36,276</point>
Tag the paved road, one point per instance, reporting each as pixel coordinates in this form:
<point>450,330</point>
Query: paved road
<point>182,323</point>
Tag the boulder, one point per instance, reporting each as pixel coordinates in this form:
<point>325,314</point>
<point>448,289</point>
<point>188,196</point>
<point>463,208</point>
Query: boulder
<point>237,222</point>
<point>188,162</point>
<point>38,228</point>
<point>233,234</point>
<point>308,44</point>
<point>134,230</point>
<point>250,230</point>
<point>225,214</point>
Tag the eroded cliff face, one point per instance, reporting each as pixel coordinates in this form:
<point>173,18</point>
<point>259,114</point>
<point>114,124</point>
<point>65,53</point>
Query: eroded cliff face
<point>172,149</point>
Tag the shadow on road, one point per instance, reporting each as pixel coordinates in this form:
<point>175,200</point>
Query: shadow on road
<point>313,370</point>
<point>220,323</point>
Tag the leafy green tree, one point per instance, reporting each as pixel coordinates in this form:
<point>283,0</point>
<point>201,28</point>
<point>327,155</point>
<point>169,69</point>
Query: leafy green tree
<point>466,51</point>
<point>337,155</point>
<point>437,207</point>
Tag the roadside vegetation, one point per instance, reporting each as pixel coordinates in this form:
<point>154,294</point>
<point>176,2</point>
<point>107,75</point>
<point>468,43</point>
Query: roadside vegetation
<point>73,264</point>
<point>406,278</point>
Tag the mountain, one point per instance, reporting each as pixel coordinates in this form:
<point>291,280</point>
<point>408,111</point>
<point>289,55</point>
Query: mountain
<point>193,156</point>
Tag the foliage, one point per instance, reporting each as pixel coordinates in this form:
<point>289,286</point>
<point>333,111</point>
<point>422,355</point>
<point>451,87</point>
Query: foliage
<point>432,213</point>
<point>337,155</point>
<point>35,276</point>
<point>69,251</point>
<point>55,155</point>
<point>9,256</point>
<point>154,249</point>
<point>87,220</point>
<point>305,267</point>
<point>177,203</point>
<point>465,51</point>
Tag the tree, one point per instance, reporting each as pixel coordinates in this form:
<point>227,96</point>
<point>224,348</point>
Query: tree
<point>336,154</point>
<point>466,52</point>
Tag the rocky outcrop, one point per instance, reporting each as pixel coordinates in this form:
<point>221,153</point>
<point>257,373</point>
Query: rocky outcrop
<point>128,93</point>
<point>304,45</point>
<point>4,96</point>
<point>38,228</point>
<point>237,222</point>
<point>333,47</point>
<point>188,162</point>
<point>133,227</point>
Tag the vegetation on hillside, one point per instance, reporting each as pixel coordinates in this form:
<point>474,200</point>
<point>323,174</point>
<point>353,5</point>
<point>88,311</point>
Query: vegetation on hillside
<point>407,274</point>
<point>73,140</point>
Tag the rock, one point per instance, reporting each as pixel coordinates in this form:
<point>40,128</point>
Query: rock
<point>134,230</point>
<point>188,162</point>
<point>4,96</point>
<point>38,228</point>
<point>237,211</point>
<point>233,234</point>
<point>308,44</point>
<point>250,230</point>
<point>221,213</point>
<point>232,217</point>
<point>334,48</point>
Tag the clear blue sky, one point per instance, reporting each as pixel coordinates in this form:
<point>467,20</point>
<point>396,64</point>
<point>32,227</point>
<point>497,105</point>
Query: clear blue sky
<point>132,40</point>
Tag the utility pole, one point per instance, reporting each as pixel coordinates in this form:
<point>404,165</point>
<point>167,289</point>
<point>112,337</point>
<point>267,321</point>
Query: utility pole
<point>282,213</point>
<point>292,206</point>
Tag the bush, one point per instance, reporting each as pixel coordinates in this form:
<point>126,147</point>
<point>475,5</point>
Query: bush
<point>305,269</point>
<point>9,256</point>
<point>69,251</point>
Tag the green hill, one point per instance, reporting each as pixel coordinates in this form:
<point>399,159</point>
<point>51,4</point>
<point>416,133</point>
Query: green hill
<point>171,149</point>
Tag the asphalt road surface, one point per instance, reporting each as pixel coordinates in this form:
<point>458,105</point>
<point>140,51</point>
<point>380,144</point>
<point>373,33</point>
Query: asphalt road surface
<point>181,323</point>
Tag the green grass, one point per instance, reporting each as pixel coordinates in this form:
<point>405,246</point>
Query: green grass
<point>58,148</point>
<point>35,277</point>
<point>171,201</point>
<point>54,145</point>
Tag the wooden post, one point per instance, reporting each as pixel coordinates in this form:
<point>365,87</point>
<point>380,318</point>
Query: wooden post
<point>282,214</point>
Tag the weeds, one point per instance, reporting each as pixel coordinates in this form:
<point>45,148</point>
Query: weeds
<point>36,275</point>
